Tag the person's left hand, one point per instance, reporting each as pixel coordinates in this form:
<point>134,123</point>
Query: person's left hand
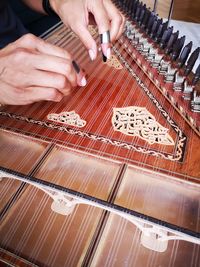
<point>77,14</point>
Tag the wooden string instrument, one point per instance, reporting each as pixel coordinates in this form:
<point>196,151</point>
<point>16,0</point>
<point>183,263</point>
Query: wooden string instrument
<point>110,175</point>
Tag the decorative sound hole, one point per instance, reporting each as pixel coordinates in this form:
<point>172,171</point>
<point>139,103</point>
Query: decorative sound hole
<point>114,62</point>
<point>92,30</point>
<point>68,118</point>
<point>138,121</point>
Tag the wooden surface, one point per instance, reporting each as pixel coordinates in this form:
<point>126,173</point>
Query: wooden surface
<point>186,10</point>
<point>163,8</point>
<point>94,103</point>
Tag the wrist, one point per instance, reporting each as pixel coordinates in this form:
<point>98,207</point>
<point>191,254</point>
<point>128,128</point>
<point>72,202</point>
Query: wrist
<point>49,8</point>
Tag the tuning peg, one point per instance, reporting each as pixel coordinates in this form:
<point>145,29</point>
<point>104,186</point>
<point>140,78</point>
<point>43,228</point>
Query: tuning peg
<point>173,38</point>
<point>134,8</point>
<point>191,61</point>
<point>176,49</point>
<point>150,23</point>
<point>184,54</point>
<point>131,4</point>
<point>146,18</point>
<point>138,10</point>
<point>165,37</point>
<point>142,13</point>
<point>162,27</point>
<point>155,27</point>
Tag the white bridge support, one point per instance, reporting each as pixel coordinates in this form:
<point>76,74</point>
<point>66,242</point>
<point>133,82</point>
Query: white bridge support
<point>153,236</point>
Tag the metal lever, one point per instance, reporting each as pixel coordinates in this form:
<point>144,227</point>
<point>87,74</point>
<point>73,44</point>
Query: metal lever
<point>195,103</point>
<point>196,76</point>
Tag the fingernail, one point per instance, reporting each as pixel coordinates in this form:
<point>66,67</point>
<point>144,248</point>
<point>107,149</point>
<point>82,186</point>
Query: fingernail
<point>108,53</point>
<point>91,54</point>
<point>104,57</point>
<point>83,81</point>
<point>76,66</point>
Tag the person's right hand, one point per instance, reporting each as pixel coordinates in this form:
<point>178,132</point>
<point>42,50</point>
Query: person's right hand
<point>32,70</point>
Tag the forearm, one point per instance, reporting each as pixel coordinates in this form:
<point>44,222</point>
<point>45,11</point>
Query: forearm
<point>35,5</point>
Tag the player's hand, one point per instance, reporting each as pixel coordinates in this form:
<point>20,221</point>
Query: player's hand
<point>77,14</point>
<point>32,70</point>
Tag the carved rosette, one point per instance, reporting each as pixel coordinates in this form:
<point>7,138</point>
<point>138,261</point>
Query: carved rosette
<point>138,121</point>
<point>92,30</point>
<point>113,62</point>
<point>68,117</point>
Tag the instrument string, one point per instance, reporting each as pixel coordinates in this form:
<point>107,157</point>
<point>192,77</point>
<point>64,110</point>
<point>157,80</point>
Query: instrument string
<point>103,126</point>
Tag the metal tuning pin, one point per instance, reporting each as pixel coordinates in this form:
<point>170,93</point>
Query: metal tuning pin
<point>195,102</point>
<point>189,87</point>
<point>177,47</point>
<point>170,75</point>
<point>163,67</point>
<point>155,62</point>
<point>184,55</point>
<point>173,38</point>
<point>191,61</point>
<point>178,82</point>
<point>165,37</point>
<point>196,76</point>
<point>187,90</point>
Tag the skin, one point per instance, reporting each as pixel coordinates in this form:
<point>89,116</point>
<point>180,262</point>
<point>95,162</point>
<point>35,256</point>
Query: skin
<point>32,70</point>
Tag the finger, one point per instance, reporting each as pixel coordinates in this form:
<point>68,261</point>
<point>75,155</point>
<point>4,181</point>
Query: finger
<point>86,38</point>
<point>11,95</point>
<point>103,23</point>
<point>57,65</point>
<point>105,45</point>
<point>101,16</point>
<point>116,19</point>
<point>29,41</point>
<point>35,94</point>
<point>81,80</point>
<point>121,29</point>
<point>39,78</point>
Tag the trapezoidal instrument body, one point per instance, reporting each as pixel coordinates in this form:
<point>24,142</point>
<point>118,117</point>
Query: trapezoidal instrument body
<point>107,177</point>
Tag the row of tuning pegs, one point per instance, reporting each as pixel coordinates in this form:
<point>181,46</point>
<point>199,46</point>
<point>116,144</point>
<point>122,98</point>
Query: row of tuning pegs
<point>164,49</point>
